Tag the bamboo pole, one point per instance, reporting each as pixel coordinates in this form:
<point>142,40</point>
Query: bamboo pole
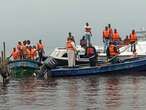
<point>4,50</point>
<point>2,56</point>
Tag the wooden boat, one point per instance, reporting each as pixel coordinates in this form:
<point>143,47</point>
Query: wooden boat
<point>134,64</point>
<point>20,68</point>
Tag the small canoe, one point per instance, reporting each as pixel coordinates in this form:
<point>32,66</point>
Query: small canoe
<point>136,64</point>
<point>23,67</point>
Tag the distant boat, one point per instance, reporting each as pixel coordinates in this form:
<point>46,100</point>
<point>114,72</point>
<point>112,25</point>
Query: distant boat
<point>24,67</point>
<point>129,65</point>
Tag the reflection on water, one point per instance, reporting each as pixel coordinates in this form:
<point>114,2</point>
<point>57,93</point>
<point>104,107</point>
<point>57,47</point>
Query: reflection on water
<point>103,92</point>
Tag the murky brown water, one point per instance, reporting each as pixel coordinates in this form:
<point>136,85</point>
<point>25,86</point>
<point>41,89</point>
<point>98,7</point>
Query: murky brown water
<point>102,92</point>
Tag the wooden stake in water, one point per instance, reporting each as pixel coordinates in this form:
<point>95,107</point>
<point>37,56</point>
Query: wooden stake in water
<point>4,51</point>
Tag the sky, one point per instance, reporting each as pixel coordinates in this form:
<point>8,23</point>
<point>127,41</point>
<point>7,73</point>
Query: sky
<point>51,20</point>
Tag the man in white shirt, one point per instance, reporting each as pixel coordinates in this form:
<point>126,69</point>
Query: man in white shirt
<point>88,33</point>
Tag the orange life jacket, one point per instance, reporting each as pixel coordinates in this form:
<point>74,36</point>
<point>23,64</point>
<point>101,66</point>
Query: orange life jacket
<point>33,53</point>
<point>69,45</point>
<point>115,36</point>
<point>110,31</point>
<point>24,49</point>
<point>106,34</point>
<point>15,55</point>
<point>112,50</point>
<point>28,55</point>
<point>19,47</point>
<point>133,37</point>
<point>40,46</point>
<point>90,51</point>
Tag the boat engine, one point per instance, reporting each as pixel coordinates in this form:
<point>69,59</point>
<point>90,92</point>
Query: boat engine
<point>50,63</point>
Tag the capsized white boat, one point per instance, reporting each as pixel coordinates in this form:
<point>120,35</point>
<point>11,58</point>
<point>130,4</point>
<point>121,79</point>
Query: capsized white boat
<point>60,54</point>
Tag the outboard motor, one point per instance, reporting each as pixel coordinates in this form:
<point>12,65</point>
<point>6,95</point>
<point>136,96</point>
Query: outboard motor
<point>50,63</point>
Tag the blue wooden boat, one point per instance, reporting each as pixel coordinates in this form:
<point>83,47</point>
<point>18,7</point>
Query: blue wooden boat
<point>23,67</point>
<point>135,64</point>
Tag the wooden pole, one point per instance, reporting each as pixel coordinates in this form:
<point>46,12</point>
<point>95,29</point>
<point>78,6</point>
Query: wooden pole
<point>4,51</point>
<point>2,56</point>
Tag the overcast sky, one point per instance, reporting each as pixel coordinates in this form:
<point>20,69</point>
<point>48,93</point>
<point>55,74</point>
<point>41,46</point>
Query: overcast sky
<point>51,20</point>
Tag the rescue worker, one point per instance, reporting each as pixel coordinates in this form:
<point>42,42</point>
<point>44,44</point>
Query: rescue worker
<point>71,49</point>
<point>24,50</point>
<point>19,49</point>
<point>29,52</point>
<point>40,49</point>
<point>34,52</point>
<point>116,37</point>
<point>133,40</point>
<point>83,42</point>
<point>110,31</point>
<point>106,38</point>
<point>71,36</point>
<point>126,41</point>
<point>88,33</point>
<point>91,54</point>
<point>112,52</point>
<point>28,43</point>
<point>15,54</point>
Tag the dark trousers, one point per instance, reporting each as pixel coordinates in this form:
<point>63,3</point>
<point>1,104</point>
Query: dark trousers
<point>133,47</point>
<point>40,56</point>
<point>92,61</point>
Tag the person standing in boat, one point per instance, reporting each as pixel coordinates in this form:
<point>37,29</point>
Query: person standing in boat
<point>133,40</point>
<point>40,49</point>
<point>83,42</point>
<point>126,41</point>
<point>92,54</point>
<point>15,54</point>
<point>19,49</point>
<point>71,49</point>
<point>88,33</point>
<point>110,31</point>
<point>116,38</point>
<point>106,38</point>
<point>24,50</point>
<point>71,36</point>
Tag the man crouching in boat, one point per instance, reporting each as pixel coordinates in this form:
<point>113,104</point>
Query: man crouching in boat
<point>92,55</point>
<point>112,53</point>
<point>71,49</point>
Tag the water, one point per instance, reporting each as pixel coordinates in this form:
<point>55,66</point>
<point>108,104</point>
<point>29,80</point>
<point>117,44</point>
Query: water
<point>103,92</point>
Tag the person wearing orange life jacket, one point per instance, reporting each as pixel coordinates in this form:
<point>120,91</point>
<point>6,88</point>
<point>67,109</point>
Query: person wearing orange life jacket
<point>133,40</point>
<point>106,38</point>
<point>19,48</point>
<point>110,31</point>
<point>29,52</point>
<point>15,54</point>
<point>88,32</point>
<point>34,51</point>
<point>126,41</point>
<point>92,55</point>
<point>24,50</point>
<point>40,49</point>
<point>116,37</point>
<point>112,52</point>
<point>71,49</point>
